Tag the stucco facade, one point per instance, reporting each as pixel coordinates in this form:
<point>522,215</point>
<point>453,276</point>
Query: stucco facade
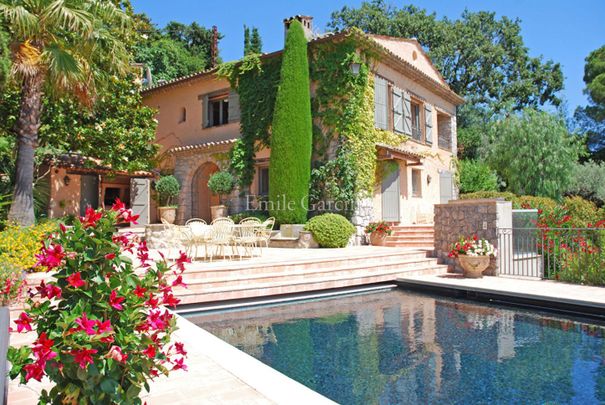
<point>190,144</point>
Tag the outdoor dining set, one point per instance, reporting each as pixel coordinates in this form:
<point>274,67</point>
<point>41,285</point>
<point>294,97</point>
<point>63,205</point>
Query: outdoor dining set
<point>221,238</point>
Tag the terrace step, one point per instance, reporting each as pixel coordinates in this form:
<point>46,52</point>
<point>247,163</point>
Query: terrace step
<point>412,236</point>
<point>203,293</point>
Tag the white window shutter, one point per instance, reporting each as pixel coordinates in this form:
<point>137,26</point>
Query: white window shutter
<point>397,94</point>
<point>407,113</point>
<point>428,121</point>
<point>380,103</point>
<point>234,110</point>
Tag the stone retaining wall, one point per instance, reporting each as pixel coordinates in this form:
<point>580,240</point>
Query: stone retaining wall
<point>465,218</point>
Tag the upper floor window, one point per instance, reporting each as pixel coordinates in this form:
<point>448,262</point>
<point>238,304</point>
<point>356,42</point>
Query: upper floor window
<point>416,120</point>
<point>444,131</point>
<point>263,181</point>
<point>218,110</point>
<point>183,115</point>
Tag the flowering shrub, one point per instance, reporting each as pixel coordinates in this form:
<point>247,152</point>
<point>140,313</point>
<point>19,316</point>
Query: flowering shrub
<point>472,247</point>
<point>381,228</point>
<point>11,283</point>
<point>18,245</point>
<point>102,331</point>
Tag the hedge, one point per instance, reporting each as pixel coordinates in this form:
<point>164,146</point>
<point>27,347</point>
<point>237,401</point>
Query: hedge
<point>291,139</point>
<point>330,230</point>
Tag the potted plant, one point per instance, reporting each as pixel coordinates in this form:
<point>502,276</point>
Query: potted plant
<point>11,286</point>
<point>378,232</point>
<point>473,254</point>
<point>101,324</point>
<point>221,184</point>
<point>167,188</point>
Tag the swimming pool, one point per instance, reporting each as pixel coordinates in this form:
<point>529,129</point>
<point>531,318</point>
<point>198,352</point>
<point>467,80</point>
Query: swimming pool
<point>403,347</point>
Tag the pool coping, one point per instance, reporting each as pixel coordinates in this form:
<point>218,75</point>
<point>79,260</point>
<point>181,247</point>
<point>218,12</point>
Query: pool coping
<point>568,305</point>
<point>267,381</point>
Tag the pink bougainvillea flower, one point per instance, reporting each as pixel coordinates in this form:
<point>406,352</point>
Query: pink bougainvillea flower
<point>180,348</point>
<point>83,356</point>
<point>170,300</point>
<point>24,323</point>
<point>150,351</point>
<point>110,256</point>
<point>115,353</point>
<point>140,291</point>
<point>181,260</point>
<point>178,281</point>
<point>49,291</point>
<point>179,364</point>
<point>86,325</point>
<point>91,217</point>
<point>104,327</point>
<point>50,257</point>
<point>115,301</point>
<point>158,320</point>
<point>75,280</point>
<point>33,370</point>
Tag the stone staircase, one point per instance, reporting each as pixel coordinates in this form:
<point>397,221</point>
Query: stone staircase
<point>247,280</point>
<point>421,236</point>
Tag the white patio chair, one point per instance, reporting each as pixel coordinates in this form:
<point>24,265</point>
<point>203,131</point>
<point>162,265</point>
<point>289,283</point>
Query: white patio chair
<point>246,235</point>
<point>200,234</point>
<point>172,237</point>
<point>264,233</point>
<point>221,235</point>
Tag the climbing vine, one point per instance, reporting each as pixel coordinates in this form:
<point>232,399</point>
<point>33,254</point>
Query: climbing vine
<point>256,81</point>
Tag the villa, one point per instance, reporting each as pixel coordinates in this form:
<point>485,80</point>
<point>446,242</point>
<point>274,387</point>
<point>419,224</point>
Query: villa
<point>199,123</point>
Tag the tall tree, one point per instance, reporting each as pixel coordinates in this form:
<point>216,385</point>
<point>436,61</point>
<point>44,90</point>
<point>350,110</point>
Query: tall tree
<point>246,40</point>
<point>533,152</point>
<point>256,43</point>
<point>482,57</point>
<point>58,49</point>
<point>592,117</point>
<point>291,138</point>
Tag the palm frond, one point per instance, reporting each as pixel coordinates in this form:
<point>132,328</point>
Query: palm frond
<point>109,12</point>
<point>64,70</point>
<point>26,59</point>
<point>61,13</point>
<point>21,20</point>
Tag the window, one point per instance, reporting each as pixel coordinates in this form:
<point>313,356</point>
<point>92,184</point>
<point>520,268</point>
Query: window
<point>416,120</point>
<point>183,116</point>
<point>416,183</point>
<point>263,181</point>
<point>444,131</point>
<point>218,110</point>
<point>381,103</point>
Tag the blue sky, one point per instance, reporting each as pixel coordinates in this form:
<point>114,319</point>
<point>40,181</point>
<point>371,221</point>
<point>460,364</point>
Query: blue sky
<point>562,30</point>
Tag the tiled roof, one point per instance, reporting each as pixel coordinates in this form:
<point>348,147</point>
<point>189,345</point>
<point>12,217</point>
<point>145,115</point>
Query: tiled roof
<point>205,145</point>
<point>83,164</point>
<point>406,152</point>
<point>443,86</point>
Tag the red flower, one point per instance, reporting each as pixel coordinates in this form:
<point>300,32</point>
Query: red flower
<point>86,325</point>
<point>180,349</point>
<point>33,370</point>
<point>179,364</point>
<point>75,280</point>
<point>110,256</point>
<point>91,217</point>
<point>139,291</point>
<point>83,356</point>
<point>49,291</point>
<point>118,205</point>
<point>150,351</point>
<point>50,257</point>
<point>178,281</point>
<point>104,327</point>
<point>115,301</point>
<point>182,259</point>
<point>42,348</point>
<point>24,323</point>
<point>170,300</point>
<point>115,353</point>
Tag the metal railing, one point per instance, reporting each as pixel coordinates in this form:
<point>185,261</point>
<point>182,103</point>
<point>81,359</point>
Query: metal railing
<point>543,252</point>
<point>416,133</point>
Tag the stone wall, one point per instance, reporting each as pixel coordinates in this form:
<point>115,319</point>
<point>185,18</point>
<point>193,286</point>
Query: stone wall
<point>465,218</point>
<point>364,211</point>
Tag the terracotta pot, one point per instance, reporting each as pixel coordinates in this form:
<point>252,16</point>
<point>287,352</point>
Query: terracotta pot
<point>473,266</point>
<point>168,214</point>
<point>218,211</point>
<point>377,238</point>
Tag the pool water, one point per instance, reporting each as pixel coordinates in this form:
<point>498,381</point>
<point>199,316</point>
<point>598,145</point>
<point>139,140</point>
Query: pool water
<point>402,347</point>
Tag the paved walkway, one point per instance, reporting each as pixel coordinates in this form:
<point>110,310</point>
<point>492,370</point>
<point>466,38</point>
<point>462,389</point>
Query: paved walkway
<point>218,373</point>
<point>531,289</point>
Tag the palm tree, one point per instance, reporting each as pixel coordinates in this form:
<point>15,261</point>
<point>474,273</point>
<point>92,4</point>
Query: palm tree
<point>58,47</point>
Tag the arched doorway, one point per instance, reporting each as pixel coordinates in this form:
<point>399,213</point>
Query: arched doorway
<point>202,198</point>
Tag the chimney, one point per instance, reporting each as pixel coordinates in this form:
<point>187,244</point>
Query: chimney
<point>214,48</point>
<point>305,20</point>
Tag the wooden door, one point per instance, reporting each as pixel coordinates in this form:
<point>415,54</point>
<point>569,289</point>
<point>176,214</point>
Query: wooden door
<point>390,193</point>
